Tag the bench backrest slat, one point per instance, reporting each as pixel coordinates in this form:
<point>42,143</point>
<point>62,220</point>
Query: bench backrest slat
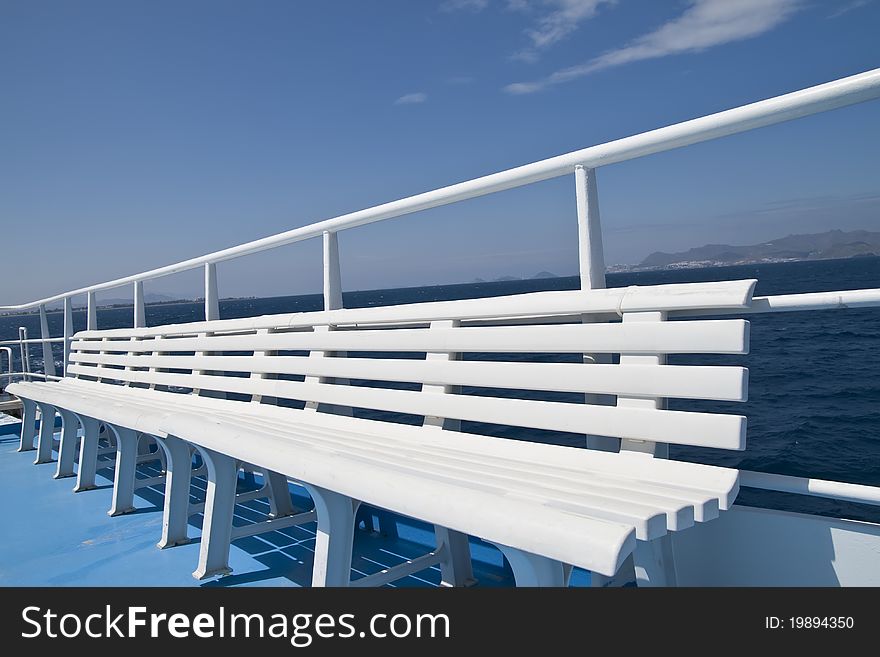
<point>726,383</point>
<point>729,336</point>
<point>385,367</point>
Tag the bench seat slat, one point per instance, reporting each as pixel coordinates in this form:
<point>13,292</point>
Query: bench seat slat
<point>691,382</point>
<point>698,478</point>
<point>448,445</point>
<point>691,337</point>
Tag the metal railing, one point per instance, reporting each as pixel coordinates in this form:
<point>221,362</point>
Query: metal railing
<point>582,163</point>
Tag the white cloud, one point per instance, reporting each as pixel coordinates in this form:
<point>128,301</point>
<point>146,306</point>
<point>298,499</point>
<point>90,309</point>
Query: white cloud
<point>412,99</point>
<point>561,18</point>
<point>848,7</point>
<point>470,5</point>
<point>704,24</point>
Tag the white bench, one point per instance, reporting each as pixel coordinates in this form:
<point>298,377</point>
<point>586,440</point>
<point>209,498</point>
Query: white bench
<point>214,387</point>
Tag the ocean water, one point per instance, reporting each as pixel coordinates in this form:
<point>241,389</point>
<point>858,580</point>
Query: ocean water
<point>814,393</point>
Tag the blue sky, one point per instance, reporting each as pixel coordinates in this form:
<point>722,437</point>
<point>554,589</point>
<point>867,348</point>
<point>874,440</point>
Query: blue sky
<point>134,134</point>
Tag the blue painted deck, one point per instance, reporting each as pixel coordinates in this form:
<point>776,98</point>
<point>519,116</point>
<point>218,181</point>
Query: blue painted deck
<point>54,537</point>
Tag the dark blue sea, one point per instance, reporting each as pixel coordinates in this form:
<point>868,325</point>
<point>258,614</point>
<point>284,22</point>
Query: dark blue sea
<point>814,394</point>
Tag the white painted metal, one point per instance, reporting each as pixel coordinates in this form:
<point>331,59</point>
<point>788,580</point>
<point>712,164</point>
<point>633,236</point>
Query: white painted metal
<point>178,478</point>
<point>714,296</point>
<point>25,340</point>
<point>759,547</point>
<point>868,298</point>
<point>140,317</point>
<point>69,441</point>
<point>334,538</point>
<point>10,368</point>
<point>453,548</point>
<point>643,401</point>
<point>125,471</point>
<point>25,352</point>
<point>212,298</point>
<point>46,436</point>
<point>88,454</point>
<point>91,311</point>
<point>530,570</point>
<point>28,424</point>
<point>332,272</point>
<point>68,331</point>
<point>726,383</point>
<point>591,254</point>
<point>839,93</point>
<point>680,427</point>
<point>48,357</point>
<point>836,490</point>
<point>219,507</point>
<point>699,336</point>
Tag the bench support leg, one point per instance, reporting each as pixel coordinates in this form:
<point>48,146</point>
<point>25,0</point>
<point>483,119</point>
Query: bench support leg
<point>531,569</point>
<point>47,433</point>
<point>178,480</point>
<point>335,536</point>
<point>88,455</point>
<point>69,438</point>
<point>280,503</point>
<point>624,575</point>
<point>28,425</point>
<point>126,469</point>
<point>219,508</point>
<point>654,562</point>
<point>456,568</point>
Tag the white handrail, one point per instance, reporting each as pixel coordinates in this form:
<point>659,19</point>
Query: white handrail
<point>836,490</point>
<point>781,303</point>
<point>821,98</point>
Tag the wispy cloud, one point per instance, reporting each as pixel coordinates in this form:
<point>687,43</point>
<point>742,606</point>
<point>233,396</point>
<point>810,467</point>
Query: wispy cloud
<point>554,19</point>
<point>563,18</point>
<point>848,7</point>
<point>469,5</point>
<point>412,99</point>
<point>704,24</point>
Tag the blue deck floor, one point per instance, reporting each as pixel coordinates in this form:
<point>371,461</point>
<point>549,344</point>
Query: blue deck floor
<point>54,537</point>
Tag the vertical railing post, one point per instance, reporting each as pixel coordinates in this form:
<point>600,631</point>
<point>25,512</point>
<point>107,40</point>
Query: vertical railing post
<point>48,356</point>
<point>591,259</point>
<point>25,352</point>
<point>212,301</point>
<point>591,254</point>
<point>140,319</point>
<point>68,329</point>
<point>332,274</point>
<point>92,313</point>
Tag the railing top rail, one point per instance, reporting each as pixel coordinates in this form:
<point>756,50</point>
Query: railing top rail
<point>838,93</point>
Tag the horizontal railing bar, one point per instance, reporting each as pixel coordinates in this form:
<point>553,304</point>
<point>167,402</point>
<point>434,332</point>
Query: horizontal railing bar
<point>32,341</point>
<point>781,303</point>
<point>837,490</point>
<point>36,374</point>
<point>838,93</point>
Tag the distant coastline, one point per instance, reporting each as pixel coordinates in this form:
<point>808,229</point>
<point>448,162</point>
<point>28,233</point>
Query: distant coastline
<point>830,245</point>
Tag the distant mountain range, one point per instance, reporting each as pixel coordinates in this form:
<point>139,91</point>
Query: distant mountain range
<point>831,245</point>
<point>540,274</point>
